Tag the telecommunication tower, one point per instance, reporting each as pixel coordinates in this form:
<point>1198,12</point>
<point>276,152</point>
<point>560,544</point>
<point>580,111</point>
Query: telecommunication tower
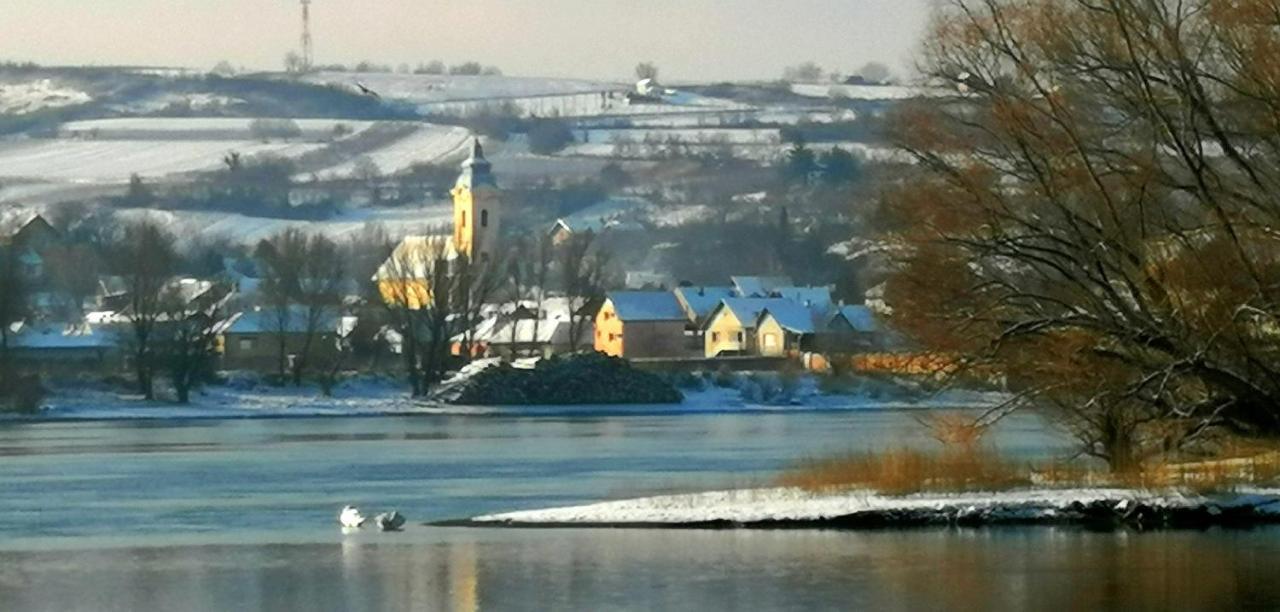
<point>307,53</point>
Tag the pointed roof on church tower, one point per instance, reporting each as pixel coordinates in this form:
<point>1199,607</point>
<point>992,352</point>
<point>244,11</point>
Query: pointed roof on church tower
<point>476,170</point>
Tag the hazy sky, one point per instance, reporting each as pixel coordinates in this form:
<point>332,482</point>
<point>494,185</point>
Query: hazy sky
<point>688,39</point>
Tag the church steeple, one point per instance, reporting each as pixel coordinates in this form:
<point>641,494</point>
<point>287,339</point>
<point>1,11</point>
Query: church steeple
<point>476,170</point>
<point>477,208</point>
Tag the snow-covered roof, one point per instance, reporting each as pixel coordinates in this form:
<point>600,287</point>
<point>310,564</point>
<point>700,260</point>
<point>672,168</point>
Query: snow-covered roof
<point>860,317</point>
<point>791,316</point>
<point>748,309</point>
<point>267,320</point>
<point>759,286</point>
<point>646,306</point>
<point>702,300</point>
<point>476,170</point>
<point>521,331</point>
<point>64,336</point>
<point>614,213</point>
<point>817,299</point>
<point>413,255</point>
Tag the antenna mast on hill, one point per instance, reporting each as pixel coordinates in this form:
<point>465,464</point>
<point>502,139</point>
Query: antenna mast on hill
<point>307,55</point>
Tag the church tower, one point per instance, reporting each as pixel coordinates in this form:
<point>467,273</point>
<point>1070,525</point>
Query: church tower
<point>477,209</point>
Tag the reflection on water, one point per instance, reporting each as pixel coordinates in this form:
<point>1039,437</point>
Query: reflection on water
<point>457,569</point>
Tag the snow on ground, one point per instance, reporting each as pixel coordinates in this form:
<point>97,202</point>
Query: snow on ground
<point>673,216</point>
<point>427,144</point>
<point>366,397</point>
<point>424,88</point>
<point>791,504</point>
<point>198,102</point>
<point>172,128</point>
<point>27,97</point>
<point>865,92</point>
<point>248,230</point>
<point>758,151</point>
<point>113,161</point>
<point>684,135</point>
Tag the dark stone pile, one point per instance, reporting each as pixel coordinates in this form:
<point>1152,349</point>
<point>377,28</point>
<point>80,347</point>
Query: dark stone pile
<point>591,378</point>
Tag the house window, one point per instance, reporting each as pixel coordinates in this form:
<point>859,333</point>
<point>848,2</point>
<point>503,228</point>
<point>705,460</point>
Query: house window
<point>740,337</point>
<point>484,218</point>
<point>771,341</point>
<point>715,336</point>
<point>246,344</point>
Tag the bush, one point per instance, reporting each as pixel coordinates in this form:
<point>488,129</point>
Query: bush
<point>547,136</point>
<point>592,378</point>
<point>23,395</point>
<point>267,129</point>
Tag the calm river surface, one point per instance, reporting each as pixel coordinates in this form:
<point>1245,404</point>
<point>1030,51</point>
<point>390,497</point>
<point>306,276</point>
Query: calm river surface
<point>240,515</point>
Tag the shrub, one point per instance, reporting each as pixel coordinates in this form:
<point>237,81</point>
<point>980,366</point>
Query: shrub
<point>592,378</point>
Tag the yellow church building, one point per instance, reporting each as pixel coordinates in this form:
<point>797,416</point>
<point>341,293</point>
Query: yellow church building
<point>404,278</point>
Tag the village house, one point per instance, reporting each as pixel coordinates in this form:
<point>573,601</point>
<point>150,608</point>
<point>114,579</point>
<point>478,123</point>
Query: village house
<point>850,329</point>
<point>613,215</point>
<point>641,324</point>
<point>251,341</point>
<point>730,330</point>
<point>785,328</point>
<point>76,345</point>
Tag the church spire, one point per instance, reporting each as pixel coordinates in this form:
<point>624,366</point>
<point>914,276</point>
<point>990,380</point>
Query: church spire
<point>476,170</point>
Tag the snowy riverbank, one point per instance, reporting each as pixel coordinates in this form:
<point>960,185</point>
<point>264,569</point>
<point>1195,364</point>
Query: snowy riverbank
<point>790,507</point>
<point>243,397</point>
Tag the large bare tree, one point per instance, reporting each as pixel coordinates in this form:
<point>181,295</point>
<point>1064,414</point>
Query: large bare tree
<point>1094,212</point>
<point>145,256</point>
<point>301,291</point>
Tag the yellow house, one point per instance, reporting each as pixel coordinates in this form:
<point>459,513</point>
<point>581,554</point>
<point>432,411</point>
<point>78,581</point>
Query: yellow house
<point>783,328</point>
<point>640,324</point>
<point>404,278</point>
<point>731,329</point>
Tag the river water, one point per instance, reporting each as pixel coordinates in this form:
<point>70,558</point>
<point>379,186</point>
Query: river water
<point>240,515</point>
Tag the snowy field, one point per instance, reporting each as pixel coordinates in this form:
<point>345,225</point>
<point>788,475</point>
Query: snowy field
<point>762,506</point>
<point>212,128</point>
<point>28,97</point>
<point>865,92</point>
<point>242,229</point>
<point>427,144</point>
<point>114,160</point>
<point>426,88</point>
<point>759,151</point>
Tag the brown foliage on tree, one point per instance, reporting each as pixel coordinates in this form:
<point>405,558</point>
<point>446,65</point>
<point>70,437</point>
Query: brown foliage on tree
<point>1095,213</point>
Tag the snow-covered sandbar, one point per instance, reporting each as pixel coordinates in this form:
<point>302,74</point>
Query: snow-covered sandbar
<point>791,508</point>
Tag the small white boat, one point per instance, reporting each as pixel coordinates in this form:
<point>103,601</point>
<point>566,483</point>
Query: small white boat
<point>351,518</point>
<point>389,521</point>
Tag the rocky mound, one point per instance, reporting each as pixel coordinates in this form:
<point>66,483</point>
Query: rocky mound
<point>571,380</point>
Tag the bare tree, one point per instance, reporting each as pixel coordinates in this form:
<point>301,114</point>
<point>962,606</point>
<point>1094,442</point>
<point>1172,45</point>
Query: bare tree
<point>583,270</point>
<point>13,302</point>
<point>187,339</point>
<point>647,70</point>
<point>145,255</point>
<point>416,286</point>
<point>1093,217</point>
<point>474,284</point>
<point>301,290</point>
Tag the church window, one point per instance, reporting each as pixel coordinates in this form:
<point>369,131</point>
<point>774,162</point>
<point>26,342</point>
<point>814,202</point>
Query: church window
<point>464,218</point>
<point>484,218</point>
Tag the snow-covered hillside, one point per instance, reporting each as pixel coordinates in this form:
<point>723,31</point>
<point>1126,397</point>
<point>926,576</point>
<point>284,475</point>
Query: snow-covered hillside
<point>31,96</point>
<point>113,161</point>
<point>427,144</point>
<point>425,88</point>
<point>146,128</point>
